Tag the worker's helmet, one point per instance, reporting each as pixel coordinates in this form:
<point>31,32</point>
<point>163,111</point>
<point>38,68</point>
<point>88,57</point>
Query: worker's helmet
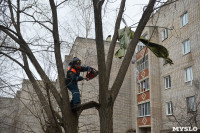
<point>75,62</point>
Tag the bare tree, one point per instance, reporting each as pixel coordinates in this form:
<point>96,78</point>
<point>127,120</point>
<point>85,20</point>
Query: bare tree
<point>36,14</point>
<point>187,113</point>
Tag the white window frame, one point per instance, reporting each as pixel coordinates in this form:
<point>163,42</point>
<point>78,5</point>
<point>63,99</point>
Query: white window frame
<point>143,85</point>
<point>142,63</point>
<point>164,34</point>
<point>184,19</point>
<point>191,105</point>
<point>188,74</point>
<point>169,108</point>
<point>167,82</point>
<point>186,46</point>
<point>144,109</point>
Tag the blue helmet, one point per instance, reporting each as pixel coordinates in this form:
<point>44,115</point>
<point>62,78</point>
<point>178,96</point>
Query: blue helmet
<point>75,61</point>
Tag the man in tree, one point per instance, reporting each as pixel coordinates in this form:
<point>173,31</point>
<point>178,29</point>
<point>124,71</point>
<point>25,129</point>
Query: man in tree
<point>73,76</point>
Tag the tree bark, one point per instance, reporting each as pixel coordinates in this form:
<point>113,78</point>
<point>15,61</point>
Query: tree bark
<point>106,119</point>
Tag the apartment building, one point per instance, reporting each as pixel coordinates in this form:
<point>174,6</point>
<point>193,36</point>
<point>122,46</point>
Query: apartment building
<point>168,95</point>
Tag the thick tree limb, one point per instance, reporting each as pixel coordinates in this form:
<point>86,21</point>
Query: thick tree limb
<point>65,108</point>
<point>114,39</point>
<point>87,105</point>
<point>100,51</point>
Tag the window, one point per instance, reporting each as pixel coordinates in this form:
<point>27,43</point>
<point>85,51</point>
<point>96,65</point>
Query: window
<point>188,74</point>
<point>140,45</point>
<point>191,105</point>
<point>167,82</point>
<point>143,86</point>
<point>186,46</point>
<point>142,64</point>
<point>184,19</point>
<point>169,109</point>
<point>144,109</point>
<point>164,34</point>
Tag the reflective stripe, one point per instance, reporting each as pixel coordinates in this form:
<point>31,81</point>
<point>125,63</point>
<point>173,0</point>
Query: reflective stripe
<point>75,93</point>
<point>72,69</point>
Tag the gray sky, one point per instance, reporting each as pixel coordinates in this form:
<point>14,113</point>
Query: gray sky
<point>133,11</point>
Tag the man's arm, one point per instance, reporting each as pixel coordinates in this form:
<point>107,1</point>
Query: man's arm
<point>73,77</point>
<point>84,69</point>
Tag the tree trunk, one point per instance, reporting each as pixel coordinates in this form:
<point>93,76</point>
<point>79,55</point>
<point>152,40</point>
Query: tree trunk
<point>106,119</point>
<point>51,129</point>
<point>72,126</point>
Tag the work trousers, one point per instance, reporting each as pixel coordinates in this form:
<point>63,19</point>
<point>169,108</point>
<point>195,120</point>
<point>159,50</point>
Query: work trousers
<point>73,87</point>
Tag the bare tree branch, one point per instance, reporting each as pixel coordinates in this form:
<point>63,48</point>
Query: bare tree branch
<point>114,39</point>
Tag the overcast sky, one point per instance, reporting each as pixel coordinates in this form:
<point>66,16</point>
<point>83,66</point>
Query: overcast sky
<point>132,14</point>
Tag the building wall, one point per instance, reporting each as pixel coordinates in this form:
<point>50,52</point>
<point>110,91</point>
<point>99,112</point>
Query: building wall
<point>22,113</point>
<point>170,17</point>
<point>85,49</point>
<point>7,114</point>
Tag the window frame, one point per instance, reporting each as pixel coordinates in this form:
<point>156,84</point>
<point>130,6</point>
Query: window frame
<point>169,108</point>
<point>188,72</point>
<point>186,47</point>
<point>143,63</point>
<point>167,82</point>
<point>144,109</point>
<point>164,34</point>
<point>143,87</point>
<point>184,19</point>
<point>194,107</point>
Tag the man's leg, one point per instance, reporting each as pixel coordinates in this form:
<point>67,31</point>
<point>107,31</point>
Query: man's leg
<point>75,95</point>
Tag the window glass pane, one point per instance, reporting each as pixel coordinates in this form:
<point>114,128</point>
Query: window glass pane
<point>184,19</point>
<point>142,63</point>
<point>168,105</point>
<point>164,34</point>
<point>188,74</point>
<point>147,84</point>
<point>143,109</point>
<point>186,47</point>
<point>191,74</point>
<point>167,82</point>
<point>191,104</point>
<point>169,108</point>
<point>148,108</point>
<point>139,110</point>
